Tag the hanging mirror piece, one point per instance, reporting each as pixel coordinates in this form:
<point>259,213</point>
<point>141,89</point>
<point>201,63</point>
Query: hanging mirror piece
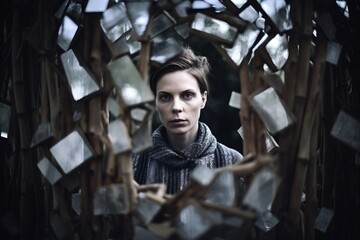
<point>81,82</point>
<point>71,151</point>
<point>119,136</point>
<point>66,33</point>
<point>5,114</point>
<point>111,200</point>
<point>132,87</point>
<point>49,171</point>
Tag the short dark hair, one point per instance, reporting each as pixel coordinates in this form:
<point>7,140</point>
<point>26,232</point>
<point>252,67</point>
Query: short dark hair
<point>196,65</point>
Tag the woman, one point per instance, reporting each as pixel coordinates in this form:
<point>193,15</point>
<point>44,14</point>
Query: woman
<point>182,142</point>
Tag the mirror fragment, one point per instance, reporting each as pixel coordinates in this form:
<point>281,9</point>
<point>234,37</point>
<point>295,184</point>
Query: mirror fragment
<point>132,88</point>
<point>183,30</point>
<point>235,100</point>
<point>323,219</point>
<point>5,115</point>
<point>119,136</point>
<point>279,13</point>
<point>249,14</point>
<point>76,202</point>
<point>333,52</point>
<point>161,23</point>
<point>110,200</point>
<point>277,48</point>
<point>71,152</point>
<point>96,6</point>
<point>49,171</point>
<point>43,132</point>
<point>163,51</point>
<point>347,130</point>
<point>114,107</point>
<point>146,208</point>
<point>81,82</point>
<point>139,15</point>
<point>266,221</point>
<point>66,33</point>
<point>222,190</point>
<point>182,8</point>
<point>262,190</point>
<point>214,29</point>
<point>202,175</point>
<point>271,110</point>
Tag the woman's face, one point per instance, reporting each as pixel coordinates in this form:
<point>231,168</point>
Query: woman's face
<point>179,102</point>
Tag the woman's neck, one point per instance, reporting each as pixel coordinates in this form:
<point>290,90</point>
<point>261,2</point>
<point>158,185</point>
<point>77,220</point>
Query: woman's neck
<point>180,141</point>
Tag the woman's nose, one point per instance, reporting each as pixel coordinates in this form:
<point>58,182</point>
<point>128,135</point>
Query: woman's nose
<point>177,106</point>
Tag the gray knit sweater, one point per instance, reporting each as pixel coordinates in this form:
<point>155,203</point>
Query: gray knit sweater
<point>161,164</point>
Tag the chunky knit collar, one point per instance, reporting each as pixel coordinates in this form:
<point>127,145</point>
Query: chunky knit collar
<point>161,152</point>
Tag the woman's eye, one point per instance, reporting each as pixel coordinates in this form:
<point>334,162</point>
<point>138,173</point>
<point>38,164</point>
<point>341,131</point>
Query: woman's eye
<point>188,95</point>
<point>164,98</point>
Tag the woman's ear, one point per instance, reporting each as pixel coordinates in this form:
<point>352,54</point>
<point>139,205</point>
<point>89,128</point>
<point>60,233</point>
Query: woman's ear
<point>204,99</point>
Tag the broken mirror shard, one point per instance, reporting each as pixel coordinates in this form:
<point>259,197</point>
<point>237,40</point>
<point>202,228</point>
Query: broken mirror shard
<point>146,208</point>
<point>142,139</point>
<point>111,199</point>
<point>71,151</point>
<point>249,14</point>
<point>138,114</point>
<point>66,33</point>
<point>222,190</point>
<point>323,219</point>
<point>43,132</point>
<point>333,52</point>
<point>162,51</point>
<point>266,221</point>
<point>183,30</point>
<point>139,15</point>
<point>235,100</point>
<point>49,171</point>
<point>115,22</point>
<point>193,221</point>
<point>114,107</point>
<point>279,13</point>
<point>262,190</point>
<point>200,5</point>
<point>271,110</point>
<point>202,175</point>
<point>81,82</point>
<point>5,114</point>
<point>96,6</point>
<point>270,142</point>
<point>214,29</point>
<point>347,130</point>
<point>161,23</point>
<point>132,88</point>
<point>182,8</point>
<point>275,80</point>
<point>119,137</point>
<point>243,43</point>
<point>76,202</point>
<point>278,50</point>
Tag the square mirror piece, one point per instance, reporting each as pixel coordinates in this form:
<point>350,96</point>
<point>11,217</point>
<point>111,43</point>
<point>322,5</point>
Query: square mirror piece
<point>114,107</point>
<point>115,22</point>
<point>277,48</point>
<point>139,15</point>
<point>161,22</point>
<point>132,87</point>
<point>49,171</point>
<point>202,175</point>
<point>183,30</point>
<point>111,199</point>
<point>119,136</point>
<point>43,132</point>
<point>249,14</point>
<point>146,208</point>
<point>243,43</point>
<point>71,152</point>
<point>347,130</point>
<point>163,51</point>
<point>66,33</point>
<point>323,219</point>
<point>279,13</point>
<point>81,82</point>
<point>96,6</point>
<point>222,190</point>
<point>271,110</point>
<point>333,52</point>
<point>235,100</point>
<point>262,190</point>
<point>266,221</point>
<point>214,29</point>
<point>5,114</point>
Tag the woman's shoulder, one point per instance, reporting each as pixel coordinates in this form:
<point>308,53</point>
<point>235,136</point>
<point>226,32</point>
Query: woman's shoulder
<point>228,152</point>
